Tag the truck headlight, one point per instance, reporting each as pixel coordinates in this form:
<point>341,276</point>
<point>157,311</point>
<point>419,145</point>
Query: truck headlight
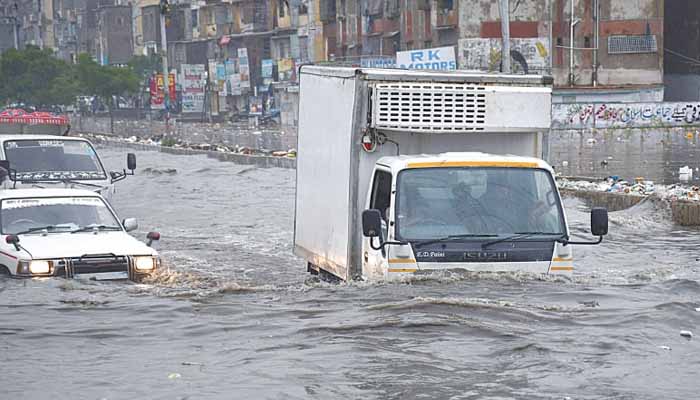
<point>34,267</point>
<point>145,263</point>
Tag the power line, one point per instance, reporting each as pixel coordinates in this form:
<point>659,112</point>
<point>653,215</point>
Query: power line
<point>693,60</point>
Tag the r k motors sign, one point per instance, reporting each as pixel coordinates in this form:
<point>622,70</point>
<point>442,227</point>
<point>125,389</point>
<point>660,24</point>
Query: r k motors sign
<point>440,58</point>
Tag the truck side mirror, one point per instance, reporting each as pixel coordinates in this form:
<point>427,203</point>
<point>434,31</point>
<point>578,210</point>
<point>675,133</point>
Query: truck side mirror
<point>131,161</point>
<point>599,221</point>
<point>371,223</point>
<point>130,224</point>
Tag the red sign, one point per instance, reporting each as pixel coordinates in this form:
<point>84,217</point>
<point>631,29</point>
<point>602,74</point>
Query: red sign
<point>156,89</point>
<point>18,116</point>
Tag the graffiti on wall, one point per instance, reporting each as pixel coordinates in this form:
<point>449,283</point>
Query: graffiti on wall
<point>624,115</point>
<point>485,54</point>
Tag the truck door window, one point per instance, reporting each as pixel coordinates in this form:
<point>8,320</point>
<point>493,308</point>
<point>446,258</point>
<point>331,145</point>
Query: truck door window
<point>381,193</point>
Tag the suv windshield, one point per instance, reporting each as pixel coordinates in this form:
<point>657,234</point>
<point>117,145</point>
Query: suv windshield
<point>55,214</point>
<point>54,159</point>
<point>434,203</point>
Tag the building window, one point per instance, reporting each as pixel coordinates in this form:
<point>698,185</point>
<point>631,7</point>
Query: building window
<point>587,42</point>
<point>445,4</point>
<point>195,18</point>
<point>281,4</point>
<point>303,9</point>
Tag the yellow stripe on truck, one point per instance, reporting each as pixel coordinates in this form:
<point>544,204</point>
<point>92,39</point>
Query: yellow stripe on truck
<point>402,270</point>
<point>507,164</point>
<point>402,261</point>
<point>567,268</point>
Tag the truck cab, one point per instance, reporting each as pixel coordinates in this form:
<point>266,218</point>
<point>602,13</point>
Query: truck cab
<point>464,211</point>
<point>50,161</point>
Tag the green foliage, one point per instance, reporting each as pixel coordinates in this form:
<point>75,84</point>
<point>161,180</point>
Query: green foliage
<point>145,66</point>
<point>36,78</point>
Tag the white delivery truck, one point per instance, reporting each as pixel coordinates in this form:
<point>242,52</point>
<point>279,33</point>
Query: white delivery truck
<point>406,172</point>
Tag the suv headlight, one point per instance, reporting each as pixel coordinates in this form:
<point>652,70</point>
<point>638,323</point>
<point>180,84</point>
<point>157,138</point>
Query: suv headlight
<point>145,263</point>
<point>34,267</point>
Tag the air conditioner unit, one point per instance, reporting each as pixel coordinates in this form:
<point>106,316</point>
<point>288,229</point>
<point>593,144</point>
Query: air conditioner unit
<point>211,30</point>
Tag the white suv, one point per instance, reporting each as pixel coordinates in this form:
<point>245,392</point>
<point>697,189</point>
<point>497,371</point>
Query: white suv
<point>71,233</point>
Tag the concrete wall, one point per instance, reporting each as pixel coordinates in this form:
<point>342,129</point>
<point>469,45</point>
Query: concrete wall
<point>682,87</point>
<point>530,19</point>
<point>625,115</point>
<point>283,138</point>
<point>604,95</point>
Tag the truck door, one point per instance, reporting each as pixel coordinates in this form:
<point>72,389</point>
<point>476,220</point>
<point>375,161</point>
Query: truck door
<point>374,262</point>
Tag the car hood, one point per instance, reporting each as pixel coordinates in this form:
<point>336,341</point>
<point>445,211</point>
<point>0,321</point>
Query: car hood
<point>64,245</point>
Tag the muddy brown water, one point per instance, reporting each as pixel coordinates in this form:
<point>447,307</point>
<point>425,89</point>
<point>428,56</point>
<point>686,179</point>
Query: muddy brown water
<point>236,315</point>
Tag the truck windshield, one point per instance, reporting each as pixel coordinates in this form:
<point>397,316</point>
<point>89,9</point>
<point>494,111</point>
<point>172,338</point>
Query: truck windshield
<point>55,214</point>
<point>53,160</point>
<point>434,203</point>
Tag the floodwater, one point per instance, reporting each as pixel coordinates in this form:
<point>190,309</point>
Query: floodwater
<point>628,153</point>
<point>236,315</point>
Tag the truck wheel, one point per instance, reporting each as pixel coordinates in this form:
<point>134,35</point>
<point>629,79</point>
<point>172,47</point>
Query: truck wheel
<point>312,269</point>
<point>4,271</point>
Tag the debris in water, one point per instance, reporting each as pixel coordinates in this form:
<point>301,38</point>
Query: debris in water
<point>174,375</point>
<point>189,363</point>
<point>687,334</point>
<point>697,309</point>
<point>592,303</point>
<point>665,348</point>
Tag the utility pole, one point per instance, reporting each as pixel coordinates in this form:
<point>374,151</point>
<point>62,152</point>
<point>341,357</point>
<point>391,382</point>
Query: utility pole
<point>164,10</point>
<point>505,33</point>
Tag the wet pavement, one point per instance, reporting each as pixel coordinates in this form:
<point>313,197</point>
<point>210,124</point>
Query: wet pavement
<point>656,155</point>
<point>236,315</point>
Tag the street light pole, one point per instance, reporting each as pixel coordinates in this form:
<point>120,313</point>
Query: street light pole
<point>165,9</point>
<point>505,33</point>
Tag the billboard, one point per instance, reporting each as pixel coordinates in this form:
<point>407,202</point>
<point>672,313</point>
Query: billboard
<point>157,92</point>
<point>439,58</point>
<point>193,86</point>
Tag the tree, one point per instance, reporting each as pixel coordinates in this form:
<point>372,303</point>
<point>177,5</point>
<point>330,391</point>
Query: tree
<point>106,82</point>
<point>35,78</point>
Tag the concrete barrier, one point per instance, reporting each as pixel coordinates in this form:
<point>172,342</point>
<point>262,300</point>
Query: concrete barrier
<point>683,212</point>
<point>260,161</point>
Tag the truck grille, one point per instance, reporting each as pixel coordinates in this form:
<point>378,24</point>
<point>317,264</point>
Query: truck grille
<point>429,107</point>
<point>92,265</point>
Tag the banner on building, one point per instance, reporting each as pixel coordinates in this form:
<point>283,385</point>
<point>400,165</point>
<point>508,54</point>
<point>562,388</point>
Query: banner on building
<point>244,68</point>
<point>157,91</point>
<point>485,54</point>
<point>267,68</point>
<point>285,69</point>
<point>193,86</point>
<point>378,62</point>
<point>439,58</point>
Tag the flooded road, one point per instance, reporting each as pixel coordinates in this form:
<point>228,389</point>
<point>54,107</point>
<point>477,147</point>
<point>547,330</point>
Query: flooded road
<point>628,153</point>
<point>236,315</point>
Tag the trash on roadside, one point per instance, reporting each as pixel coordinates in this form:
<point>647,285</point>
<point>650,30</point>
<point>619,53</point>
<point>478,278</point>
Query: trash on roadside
<point>685,174</point>
<point>687,334</point>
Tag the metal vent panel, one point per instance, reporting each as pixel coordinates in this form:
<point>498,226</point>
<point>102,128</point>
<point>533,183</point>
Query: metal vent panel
<point>429,107</point>
<point>629,44</point>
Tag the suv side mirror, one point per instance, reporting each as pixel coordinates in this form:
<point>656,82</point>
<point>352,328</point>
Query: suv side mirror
<point>130,224</point>
<point>13,240</point>
<point>599,221</point>
<point>371,223</point>
<point>131,161</point>
<point>152,236</point>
